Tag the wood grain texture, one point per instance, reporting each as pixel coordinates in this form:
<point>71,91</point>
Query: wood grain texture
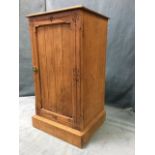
<point>70,135</point>
<point>93,65</point>
<point>55,44</point>
<point>69,52</point>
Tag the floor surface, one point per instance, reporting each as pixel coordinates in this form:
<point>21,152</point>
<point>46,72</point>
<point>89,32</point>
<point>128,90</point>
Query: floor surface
<point>115,137</point>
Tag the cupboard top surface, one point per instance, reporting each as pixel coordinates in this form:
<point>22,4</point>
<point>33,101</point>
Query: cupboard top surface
<point>66,9</point>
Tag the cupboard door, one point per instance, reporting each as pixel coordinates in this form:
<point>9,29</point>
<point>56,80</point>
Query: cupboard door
<point>55,47</point>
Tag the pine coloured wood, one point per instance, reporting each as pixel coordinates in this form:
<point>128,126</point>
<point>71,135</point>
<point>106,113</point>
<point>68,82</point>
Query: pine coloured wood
<point>69,53</point>
<point>93,65</point>
<point>72,136</point>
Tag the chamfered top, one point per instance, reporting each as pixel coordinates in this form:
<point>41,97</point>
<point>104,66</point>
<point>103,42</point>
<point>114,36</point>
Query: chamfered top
<point>66,9</point>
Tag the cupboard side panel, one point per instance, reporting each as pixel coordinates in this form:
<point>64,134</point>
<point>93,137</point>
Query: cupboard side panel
<point>93,67</point>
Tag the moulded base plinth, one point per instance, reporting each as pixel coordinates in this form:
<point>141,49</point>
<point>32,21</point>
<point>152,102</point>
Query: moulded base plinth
<point>70,135</point>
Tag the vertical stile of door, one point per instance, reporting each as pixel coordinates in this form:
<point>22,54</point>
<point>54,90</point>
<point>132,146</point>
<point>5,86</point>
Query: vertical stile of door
<point>79,53</point>
<point>78,70</point>
<point>35,63</point>
<point>76,73</point>
<point>73,27</point>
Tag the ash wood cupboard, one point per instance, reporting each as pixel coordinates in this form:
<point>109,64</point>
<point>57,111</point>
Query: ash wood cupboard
<point>69,53</point>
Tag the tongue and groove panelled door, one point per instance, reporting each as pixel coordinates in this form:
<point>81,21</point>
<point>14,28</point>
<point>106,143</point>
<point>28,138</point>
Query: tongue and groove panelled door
<point>55,41</point>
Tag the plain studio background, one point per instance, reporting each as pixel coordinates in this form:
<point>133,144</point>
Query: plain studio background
<point>120,63</point>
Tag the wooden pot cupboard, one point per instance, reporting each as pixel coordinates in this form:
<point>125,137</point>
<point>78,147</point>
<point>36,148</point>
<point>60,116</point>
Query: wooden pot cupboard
<point>69,55</point>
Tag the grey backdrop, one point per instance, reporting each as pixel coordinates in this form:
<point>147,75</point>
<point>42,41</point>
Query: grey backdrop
<point>120,73</point>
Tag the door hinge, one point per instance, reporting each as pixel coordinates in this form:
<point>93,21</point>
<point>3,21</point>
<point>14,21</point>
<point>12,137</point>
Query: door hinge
<point>76,74</point>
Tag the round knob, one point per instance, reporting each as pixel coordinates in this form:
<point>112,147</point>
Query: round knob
<point>35,69</point>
